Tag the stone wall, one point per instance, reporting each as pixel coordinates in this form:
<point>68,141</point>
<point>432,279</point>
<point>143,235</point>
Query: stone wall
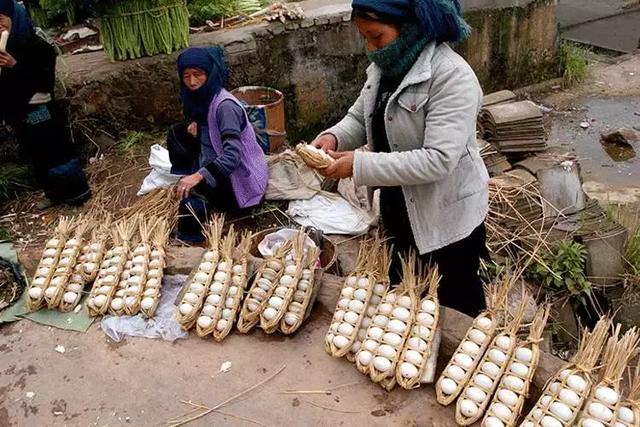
<point>318,63</point>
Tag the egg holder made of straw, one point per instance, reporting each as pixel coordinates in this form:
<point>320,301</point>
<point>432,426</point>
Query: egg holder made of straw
<point>634,406</point>
<point>240,281</point>
<point>75,279</point>
<point>90,276</point>
<point>582,364</point>
<point>351,356</point>
<point>158,243</point>
<point>56,299</point>
<point>249,319</point>
<point>121,287</point>
<point>532,342</point>
<point>433,280</point>
<point>145,230</point>
<point>309,293</point>
<point>496,298</point>
<point>617,354</point>
<point>510,331</point>
<point>314,159</point>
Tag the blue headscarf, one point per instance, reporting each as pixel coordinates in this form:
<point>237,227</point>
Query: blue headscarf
<point>211,60</point>
<point>21,25</point>
<point>440,20</point>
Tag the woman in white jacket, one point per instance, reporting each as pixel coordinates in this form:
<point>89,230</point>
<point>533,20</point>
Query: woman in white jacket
<point>417,115</point>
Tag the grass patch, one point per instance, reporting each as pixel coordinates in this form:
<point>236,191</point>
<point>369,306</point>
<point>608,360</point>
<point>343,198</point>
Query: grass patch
<point>5,234</point>
<point>131,143</point>
<point>574,63</point>
<point>13,179</point>
<point>629,216</point>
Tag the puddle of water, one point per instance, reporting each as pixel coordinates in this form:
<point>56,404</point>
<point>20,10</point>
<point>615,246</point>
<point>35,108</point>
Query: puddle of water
<point>600,162</point>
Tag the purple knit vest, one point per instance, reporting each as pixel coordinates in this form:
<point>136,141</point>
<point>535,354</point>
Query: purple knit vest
<point>249,180</point>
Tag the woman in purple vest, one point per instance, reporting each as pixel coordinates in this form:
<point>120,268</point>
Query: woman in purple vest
<point>224,167</point>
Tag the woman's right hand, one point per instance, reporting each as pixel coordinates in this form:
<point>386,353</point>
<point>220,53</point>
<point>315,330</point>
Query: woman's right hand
<point>326,142</point>
<point>193,129</point>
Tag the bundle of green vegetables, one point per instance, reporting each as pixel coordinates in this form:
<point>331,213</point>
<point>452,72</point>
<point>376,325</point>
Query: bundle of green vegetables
<point>135,28</point>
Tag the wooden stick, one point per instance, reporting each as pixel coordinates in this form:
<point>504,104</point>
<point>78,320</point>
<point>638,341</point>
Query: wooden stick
<point>317,405</point>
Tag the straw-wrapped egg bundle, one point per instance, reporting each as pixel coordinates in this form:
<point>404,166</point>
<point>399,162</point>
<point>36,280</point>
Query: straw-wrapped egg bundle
<point>314,157</point>
<point>472,348</point>
<point>509,398</point>
<point>151,293</point>
<point>239,276</point>
<point>392,325</point>
<point>354,300</point>
<point>565,393</point>
<point>94,249</point>
<point>416,364</point>
<point>142,267</point>
<point>382,281</point>
<point>45,271</point>
<point>296,310</point>
<point>477,393</point>
<point>111,269</point>
<point>628,411</point>
<point>216,313</point>
<point>282,296</point>
<point>603,402</point>
<point>264,284</point>
<point>200,283</point>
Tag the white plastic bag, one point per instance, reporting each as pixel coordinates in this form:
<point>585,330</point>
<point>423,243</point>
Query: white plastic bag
<point>273,241</point>
<point>160,175</point>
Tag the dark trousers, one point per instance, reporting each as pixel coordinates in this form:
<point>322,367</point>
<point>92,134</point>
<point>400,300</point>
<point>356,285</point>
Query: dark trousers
<point>45,144</point>
<point>458,263</point>
<point>194,210</point>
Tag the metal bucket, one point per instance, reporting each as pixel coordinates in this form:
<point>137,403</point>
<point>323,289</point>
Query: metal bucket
<point>265,107</point>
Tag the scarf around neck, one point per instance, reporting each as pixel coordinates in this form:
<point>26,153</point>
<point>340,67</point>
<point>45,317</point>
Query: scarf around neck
<point>396,59</point>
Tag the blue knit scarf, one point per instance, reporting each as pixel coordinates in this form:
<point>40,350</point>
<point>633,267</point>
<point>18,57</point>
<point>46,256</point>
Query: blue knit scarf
<point>396,59</point>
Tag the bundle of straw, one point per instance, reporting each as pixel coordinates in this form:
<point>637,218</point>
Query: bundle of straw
<point>314,157</point>
<point>151,293</point>
<point>565,393</point>
<point>602,404</point>
<point>526,354</point>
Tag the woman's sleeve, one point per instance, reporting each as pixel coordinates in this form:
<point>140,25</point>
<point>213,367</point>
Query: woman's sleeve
<point>450,120</point>
<point>231,121</point>
<point>350,131</point>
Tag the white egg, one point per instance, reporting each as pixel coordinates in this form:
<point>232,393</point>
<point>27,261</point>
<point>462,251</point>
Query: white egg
<point>502,411</point>
<point>355,347</point>
<point>35,293</point>
<point>477,336</point>
<point>425,319</point>
<point>252,305</point>
<point>364,283</point>
<point>201,277</point>
<point>381,320</point>
<point>291,319</point>
<point>204,322</point>
<point>387,351</point>
<point>70,297</point>
<point>381,364</point>
<point>371,311</point>
<point>565,373</point>
<point>428,306</point>
<point>191,298</point>
<point>507,397</point>
<point>117,304</point>
<point>131,301</point>
<point>503,342</point>
<point>561,411</point>
<point>365,324</point>
<point>401,313</point>
<point>364,357</point>
<point>392,339</point>
<point>147,303</point>
<point>493,422</point>
<point>375,300</point>
<point>270,313</point>
<point>371,345</point>
<point>379,289</point>
<point>50,292</point>
<point>197,288</point>
<point>397,326</point>
<point>405,301</point>
<point>275,302</point>
<point>153,283</point>
<point>626,414</point>
<point>227,313</point>
<point>569,397</point>
<point>360,294</point>
<point>414,357</point>
<point>213,299</point>
<point>356,306</point>
<point>463,361</point>
<point>549,421</point>
<point>555,387</point>
<point>340,341</point>
<point>416,343</point>
<point>577,383</point>
<point>607,395</point>
<point>524,354</point>
<point>519,369</point>
<point>221,325</point>
<point>476,394</point>
<point>385,309</point>
<point>468,408</point>
<point>490,369</point>
<point>514,383</point>
<point>338,315</point>
<point>345,329</point>
<point>470,348</point>
<point>448,386</point>
<point>496,356</point>
<point>408,370</point>
<point>600,412</point>
<point>186,309</point>
<point>39,281</point>
<point>421,331</point>
<point>351,317</point>
<point>483,381</point>
<point>456,373</point>
<point>545,401</point>
<point>590,422</point>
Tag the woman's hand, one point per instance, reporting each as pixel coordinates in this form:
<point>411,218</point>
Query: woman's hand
<point>341,168</point>
<point>326,142</point>
<point>6,60</point>
<point>186,184</point>
<point>193,129</point>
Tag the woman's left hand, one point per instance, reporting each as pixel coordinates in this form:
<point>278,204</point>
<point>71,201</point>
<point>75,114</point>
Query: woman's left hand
<point>341,168</point>
<point>186,184</point>
<point>6,60</point>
